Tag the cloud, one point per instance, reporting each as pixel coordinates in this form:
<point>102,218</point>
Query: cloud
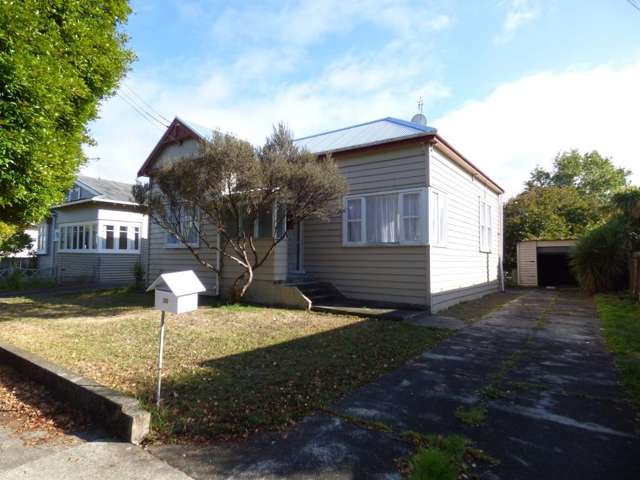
<point>526,122</point>
<point>274,75</point>
<point>519,13</point>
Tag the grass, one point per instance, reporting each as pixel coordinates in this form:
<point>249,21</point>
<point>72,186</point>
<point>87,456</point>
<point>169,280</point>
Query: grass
<point>474,416</point>
<point>621,322</point>
<point>475,309</point>
<point>440,457</point>
<point>229,370</point>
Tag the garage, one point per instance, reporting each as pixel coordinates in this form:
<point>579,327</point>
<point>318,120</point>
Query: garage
<point>545,263</point>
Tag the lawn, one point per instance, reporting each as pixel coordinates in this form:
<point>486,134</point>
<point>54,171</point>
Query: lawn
<point>229,370</point>
<point>475,309</point>
<point>621,321</point>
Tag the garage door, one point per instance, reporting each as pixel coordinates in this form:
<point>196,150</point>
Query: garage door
<point>554,268</point>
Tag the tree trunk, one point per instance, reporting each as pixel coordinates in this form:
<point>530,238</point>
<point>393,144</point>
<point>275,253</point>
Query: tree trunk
<point>239,287</point>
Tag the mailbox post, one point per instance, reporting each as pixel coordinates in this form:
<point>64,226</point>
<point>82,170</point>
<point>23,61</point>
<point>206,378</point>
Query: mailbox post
<point>177,293</point>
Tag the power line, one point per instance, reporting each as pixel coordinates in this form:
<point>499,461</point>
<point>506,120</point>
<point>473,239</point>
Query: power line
<point>145,103</point>
<point>143,113</point>
<point>634,4</point>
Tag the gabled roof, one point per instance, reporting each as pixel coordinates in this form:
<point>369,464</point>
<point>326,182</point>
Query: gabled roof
<point>364,134</point>
<point>178,130</point>
<point>107,189</point>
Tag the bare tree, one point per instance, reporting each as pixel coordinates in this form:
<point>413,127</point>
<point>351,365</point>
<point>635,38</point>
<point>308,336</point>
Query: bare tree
<point>233,187</point>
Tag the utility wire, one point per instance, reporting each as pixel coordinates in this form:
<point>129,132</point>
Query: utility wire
<point>157,113</point>
<point>634,4</point>
<point>144,114</point>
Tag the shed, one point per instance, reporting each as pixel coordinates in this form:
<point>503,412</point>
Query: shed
<point>543,263</point>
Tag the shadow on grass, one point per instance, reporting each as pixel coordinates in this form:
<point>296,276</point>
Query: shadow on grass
<point>271,387</point>
<point>95,304</point>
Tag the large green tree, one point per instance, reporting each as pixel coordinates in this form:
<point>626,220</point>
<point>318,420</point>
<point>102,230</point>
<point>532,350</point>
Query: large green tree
<point>58,59</point>
<point>564,202</point>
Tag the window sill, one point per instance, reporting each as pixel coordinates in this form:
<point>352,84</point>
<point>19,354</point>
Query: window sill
<point>110,252</point>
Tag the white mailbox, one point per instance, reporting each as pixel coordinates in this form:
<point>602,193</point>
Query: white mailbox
<point>177,292</point>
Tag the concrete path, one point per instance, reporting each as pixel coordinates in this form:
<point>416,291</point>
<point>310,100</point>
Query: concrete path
<point>73,457</point>
<point>538,365</point>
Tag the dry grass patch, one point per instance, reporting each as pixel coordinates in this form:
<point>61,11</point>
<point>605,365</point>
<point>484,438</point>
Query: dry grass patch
<point>229,370</point>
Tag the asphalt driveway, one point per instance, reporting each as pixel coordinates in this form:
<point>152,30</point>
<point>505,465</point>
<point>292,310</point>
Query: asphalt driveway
<point>537,367</point>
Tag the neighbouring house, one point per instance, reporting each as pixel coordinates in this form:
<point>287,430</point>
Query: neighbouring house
<point>545,263</point>
<point>96,235</point>
<point>421,225</point>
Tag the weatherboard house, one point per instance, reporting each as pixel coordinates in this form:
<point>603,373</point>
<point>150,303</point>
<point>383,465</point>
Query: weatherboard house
<point>97,234</point>
<point>420,225</point>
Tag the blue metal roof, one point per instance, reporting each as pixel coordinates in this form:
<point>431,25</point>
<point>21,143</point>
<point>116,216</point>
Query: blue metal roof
<point>369,133</point>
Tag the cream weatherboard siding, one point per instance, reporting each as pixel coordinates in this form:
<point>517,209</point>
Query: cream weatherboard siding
<point>459,271</point>
<point>394,273</point>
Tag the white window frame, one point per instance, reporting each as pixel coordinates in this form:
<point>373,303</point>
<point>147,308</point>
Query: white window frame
<point>43,239</point>
<point>438,218</point>
<point>179,243</point>
<point>485,222</point>
<point>98,229</point>
<point>422,219</point>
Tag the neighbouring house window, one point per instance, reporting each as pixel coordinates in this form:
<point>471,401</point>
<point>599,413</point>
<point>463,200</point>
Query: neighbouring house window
<point>122,239</point>
<point>385,218</point>
<point>486,229</point>
<point>43,239</point>
<point>438,228</point>
<point>63,238</point>
<point>73,194</point>
<point>136,238</point>
<point>109,237</point>
<point>81,237</point>
<point>94,237</point>
<point>75,238</point>
<point>188,228</point>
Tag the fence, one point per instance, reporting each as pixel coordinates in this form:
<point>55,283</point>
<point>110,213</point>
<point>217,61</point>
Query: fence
<point>634,275</point>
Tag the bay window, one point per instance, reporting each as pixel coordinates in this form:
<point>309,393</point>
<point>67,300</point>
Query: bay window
<point>389,218</point>
<point>111,237</point>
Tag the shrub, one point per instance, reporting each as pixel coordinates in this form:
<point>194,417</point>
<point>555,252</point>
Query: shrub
<point>600,260</point>
<point>138,274</point>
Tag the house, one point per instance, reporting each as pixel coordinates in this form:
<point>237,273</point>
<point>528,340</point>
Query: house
<point>421,225</point>
<point>96,235</point>
<point>545,263</point>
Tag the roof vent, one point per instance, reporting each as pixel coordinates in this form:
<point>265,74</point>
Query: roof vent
<point>420,119</point>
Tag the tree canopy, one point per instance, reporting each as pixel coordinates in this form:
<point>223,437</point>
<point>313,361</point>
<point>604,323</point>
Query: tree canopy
<point>247,197</point>
<point>58,59</point>
<point>566,201</point>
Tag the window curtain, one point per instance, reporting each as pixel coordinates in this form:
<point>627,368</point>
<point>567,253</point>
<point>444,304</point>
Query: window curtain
<point>382,219</point>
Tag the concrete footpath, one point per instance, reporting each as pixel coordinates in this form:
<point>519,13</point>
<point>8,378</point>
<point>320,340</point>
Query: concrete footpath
<point>74,457</point>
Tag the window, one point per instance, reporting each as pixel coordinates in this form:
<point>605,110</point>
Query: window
<point>354,220</point>
<point>188,228</point>
<point>73,194</point>
<point>94,237</point>
<point>393,218</point>
<point>74,238</point>
<point>438,229</point>
<point>63,238</point>
<point>109,237</point>
<point>122,239</point>
<point>136,238</point>
<point>486,228</point>
<point>42,238</point>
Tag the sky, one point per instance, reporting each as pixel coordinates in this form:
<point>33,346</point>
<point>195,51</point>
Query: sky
<point>509,83</point>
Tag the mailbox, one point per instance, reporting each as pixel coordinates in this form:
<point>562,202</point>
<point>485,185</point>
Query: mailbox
<point>177,292</point>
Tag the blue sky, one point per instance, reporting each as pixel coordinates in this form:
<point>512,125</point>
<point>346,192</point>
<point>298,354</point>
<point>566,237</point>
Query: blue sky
<point>508,82</point>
